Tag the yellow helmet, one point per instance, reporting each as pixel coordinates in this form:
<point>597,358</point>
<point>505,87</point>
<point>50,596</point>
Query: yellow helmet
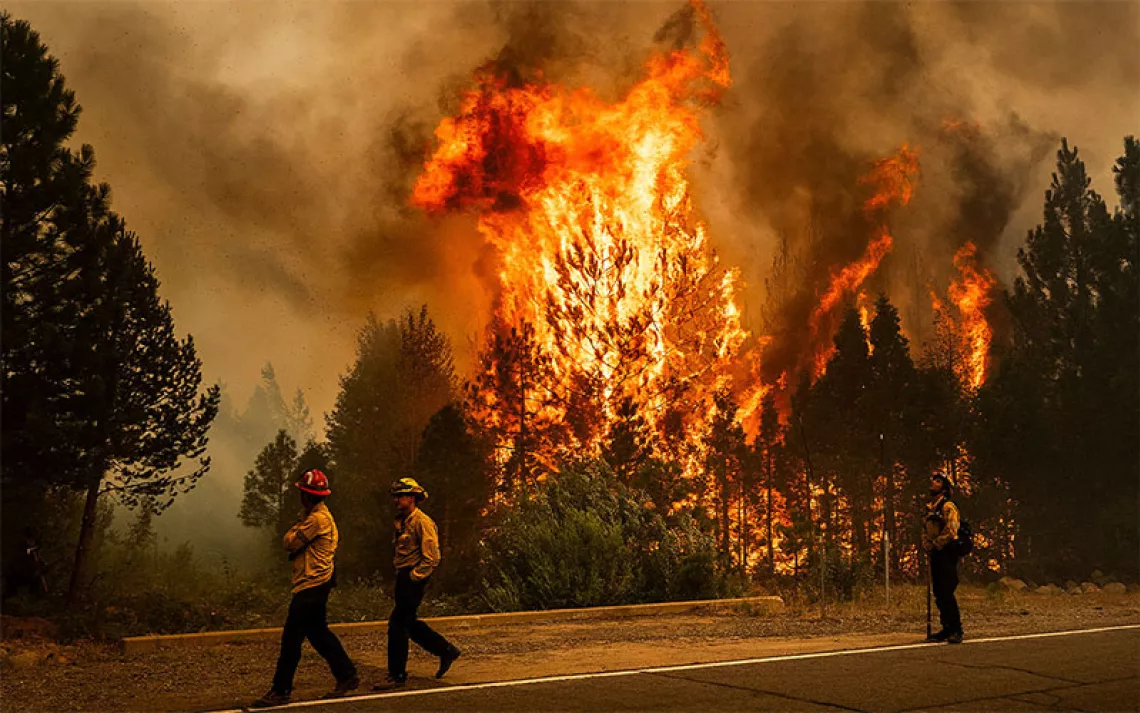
<point>408,486</point>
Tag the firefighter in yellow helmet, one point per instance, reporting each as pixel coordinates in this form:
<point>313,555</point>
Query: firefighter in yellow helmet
<point>416,557</point>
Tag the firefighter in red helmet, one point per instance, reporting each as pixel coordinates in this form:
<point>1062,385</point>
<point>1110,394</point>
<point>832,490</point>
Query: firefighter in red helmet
<point>311,545</point>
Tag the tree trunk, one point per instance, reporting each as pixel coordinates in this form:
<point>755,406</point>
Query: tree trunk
<point>86,533</point>
<point>522,478</point>
<point>742,545</point>
<point>771,544</point>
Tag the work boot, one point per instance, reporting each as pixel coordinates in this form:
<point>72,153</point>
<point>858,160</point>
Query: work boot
<point>392,683</point>
<point>939,637</point>
<point>343,688</point>
<point>447,659</point>
<point>273,698</point>
<point>955,638</point>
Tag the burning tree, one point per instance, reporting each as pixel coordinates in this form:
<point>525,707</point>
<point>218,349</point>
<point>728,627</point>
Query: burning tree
<point>609,298</point>
<point>963,328</point>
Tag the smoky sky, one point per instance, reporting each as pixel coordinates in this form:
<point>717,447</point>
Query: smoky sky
<point>264,151</point>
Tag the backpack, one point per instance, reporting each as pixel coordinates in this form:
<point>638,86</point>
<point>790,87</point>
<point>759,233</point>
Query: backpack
<point>964,545</point>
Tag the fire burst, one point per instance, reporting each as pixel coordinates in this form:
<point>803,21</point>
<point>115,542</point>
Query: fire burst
<point>601,256</point>
<point>892,182</point>
<point>971,293</point>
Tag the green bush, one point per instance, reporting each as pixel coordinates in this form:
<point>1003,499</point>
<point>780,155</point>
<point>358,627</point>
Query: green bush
<point>586,540</point>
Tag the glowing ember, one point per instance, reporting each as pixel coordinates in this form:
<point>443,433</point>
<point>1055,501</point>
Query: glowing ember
<point>601,254</point>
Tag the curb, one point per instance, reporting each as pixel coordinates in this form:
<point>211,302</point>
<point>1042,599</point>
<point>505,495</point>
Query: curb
<point>134,645</point>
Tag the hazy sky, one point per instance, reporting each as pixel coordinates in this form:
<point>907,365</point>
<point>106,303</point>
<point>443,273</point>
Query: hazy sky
<point>262,150</point>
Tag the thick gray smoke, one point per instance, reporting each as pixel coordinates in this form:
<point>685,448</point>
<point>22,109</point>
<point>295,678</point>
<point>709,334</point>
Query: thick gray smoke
<point>264,152</point>
<point>971,88</point>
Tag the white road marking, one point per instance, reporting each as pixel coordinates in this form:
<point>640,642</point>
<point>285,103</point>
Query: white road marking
<point>686,667</point>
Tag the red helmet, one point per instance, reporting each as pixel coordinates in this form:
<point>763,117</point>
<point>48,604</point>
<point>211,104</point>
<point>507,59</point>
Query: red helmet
<point>315,482</point>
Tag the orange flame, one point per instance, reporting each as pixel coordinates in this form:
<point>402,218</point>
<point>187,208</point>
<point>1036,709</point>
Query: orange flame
<point>865,319</point>
<point>587,205</point>
<point>972,293</point>
<point>893,180</point>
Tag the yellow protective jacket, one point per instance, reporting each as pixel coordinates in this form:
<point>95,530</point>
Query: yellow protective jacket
<point>311,544</point>
<point>942,521</point>
<point>416,544</point>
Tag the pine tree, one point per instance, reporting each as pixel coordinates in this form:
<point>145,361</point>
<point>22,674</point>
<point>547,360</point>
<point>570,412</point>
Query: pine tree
<point>1058,421</point>
<point>510,400</point>
<point>99,393</point>
<point>269,498</point>
<point>889,394</point>
<point>848,442</point>
<point>725,450</point>
<point>768,459</point>
<point>628,443</point>
<point>47,205</point>
<point>402,375</point>
<point>453,466</point>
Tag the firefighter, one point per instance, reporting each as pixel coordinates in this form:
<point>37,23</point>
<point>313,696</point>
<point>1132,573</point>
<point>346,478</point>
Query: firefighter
<point>27,569</point>
<point>311,545</point>
<point>416,557</point>
<point>939,539</point>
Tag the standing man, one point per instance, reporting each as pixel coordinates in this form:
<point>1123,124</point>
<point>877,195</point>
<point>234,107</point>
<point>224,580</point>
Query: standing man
<point>27,569</point>
<point>939,539</point>
<point>417,555</point>
<point>311,545</point>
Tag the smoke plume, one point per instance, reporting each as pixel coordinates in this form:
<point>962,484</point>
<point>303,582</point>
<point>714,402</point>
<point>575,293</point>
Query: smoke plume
<point>265,152</point>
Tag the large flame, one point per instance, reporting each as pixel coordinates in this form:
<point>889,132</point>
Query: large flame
<point>971,294</point>
<point>601,254</point>
<point>892,182</point>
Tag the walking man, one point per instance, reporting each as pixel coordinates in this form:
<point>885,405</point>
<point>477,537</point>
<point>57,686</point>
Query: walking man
<point>417,555</point>
<point>939,539</point>
<point>311,545</point>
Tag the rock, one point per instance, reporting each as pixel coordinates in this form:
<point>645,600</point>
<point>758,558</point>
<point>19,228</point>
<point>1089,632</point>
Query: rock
<point>1134,588</point>
<point>1069,584</point>
<point>1072,588</point>
<point>1011,584</point>
<point>1089,588</point>
<point>1096,574</point>
<point>1115,588</point>
<point>26,659</point>
<point>1051,590</point>
<point>60,657</point>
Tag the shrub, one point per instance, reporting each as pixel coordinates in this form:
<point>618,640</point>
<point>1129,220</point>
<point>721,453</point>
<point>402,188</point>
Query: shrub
<point>586,540</point>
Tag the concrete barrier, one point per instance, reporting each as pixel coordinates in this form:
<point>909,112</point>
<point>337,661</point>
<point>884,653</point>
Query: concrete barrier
<point>134,645</point>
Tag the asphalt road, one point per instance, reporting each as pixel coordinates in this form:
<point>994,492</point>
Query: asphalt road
<point>1087,671</point>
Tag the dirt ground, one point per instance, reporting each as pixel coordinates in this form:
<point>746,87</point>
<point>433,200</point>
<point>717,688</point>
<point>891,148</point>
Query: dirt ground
<point>39,676</point>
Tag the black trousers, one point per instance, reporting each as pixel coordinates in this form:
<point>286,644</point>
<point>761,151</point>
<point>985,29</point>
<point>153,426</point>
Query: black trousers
<point>308,619</point>
<point>404,624</point>
<point>944,580</point>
